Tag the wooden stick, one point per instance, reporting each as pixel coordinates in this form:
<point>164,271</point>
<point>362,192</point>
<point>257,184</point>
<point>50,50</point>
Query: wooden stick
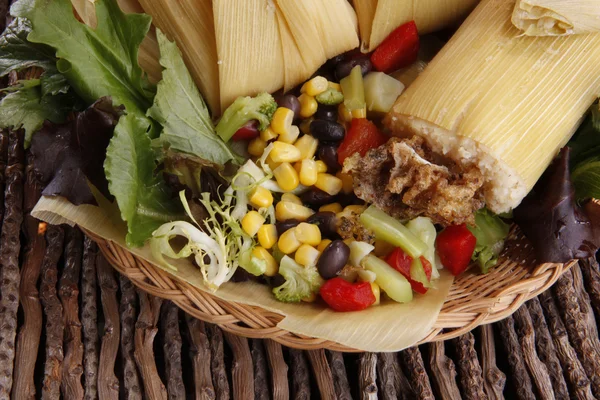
<point>242,373</point>
<point>279,370</point>
<point>28,340</point>
<point>416,373</point>
<point>89,319</point>
<point>201,359</point>
<point>217,363</point>
<point>55,325</point>
<point>338,371</point>
<point>10,245</point>
<point>585,306</point>
<point>322,373</point>
<point>591,274</point>
<point>443,372</point>
<point>108,384</point>
<point>300,375</point>
<point>469,370</point>
<point>494,380</point>
<point>261,371</point>
<point>367,376</point>
<point>172,351</point>
<point>127,311</point>
<point>69,296</point>
<point>546,350</point>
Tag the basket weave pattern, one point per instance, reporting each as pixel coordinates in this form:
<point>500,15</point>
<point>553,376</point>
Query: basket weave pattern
<point>474,299</point>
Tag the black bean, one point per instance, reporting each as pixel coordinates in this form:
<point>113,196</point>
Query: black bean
<point>328,154</point>
<point>329,113</point>
<point>315,197</point>
<point>331,63</point>
<point>344,68</point>
<point>327,131</point>
<point>283,226</point>
<point>326,221</point>
<point>290,101</point>
<point>277,280</point>
<point>240,275</point>
<point>334,258</point>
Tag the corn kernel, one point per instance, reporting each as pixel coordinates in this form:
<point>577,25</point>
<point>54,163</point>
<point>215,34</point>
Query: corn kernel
<point>252,222</point>
<point>315,86</point>
<point>290,135</point>
<point>355,208</point>
<point>344,114</point>
<point>347,182</point>
<point>308,234</point>
<point>307,146</point>
<point>321,167</point>
<point>308,105</point>
<point>256,147</point>
<point>311,298</point>
<point>308,172</point>
<point>323,245</point>
<point>263,254</point>
<point>292,198</point>
<point>298,166</point>
<point>272,164</point>
<point>285,152</point>
<point>285,210</point>
<point>359,113</point>
<point>288,243</point>
<point>282,120</point>
<point>261,197</point>
<point>267,235</point>
<point>335,86</point>
<point>329,184</point>
<point>333,207</point>
<point>286,177</point>
<point>382,249</point>
<point>348,241</point>
<point>376,292</point>
<point>307,255</point>
<point>305,126</point>
<point>268,134</point>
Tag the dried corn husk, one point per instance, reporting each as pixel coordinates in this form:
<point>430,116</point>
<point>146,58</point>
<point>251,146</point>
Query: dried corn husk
<point>556,17</point>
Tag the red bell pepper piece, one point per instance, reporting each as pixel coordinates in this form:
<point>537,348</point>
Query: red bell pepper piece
<point>247,132</point>
<point>455,245</point>
<point>398,50</point>
<point>402,262</point>
<point>343,296</point>
<point>361,137</point>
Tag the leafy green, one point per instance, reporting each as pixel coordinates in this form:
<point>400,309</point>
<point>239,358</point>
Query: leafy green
<point>245,109</point>
<point>17,53</point>
<point>180,109</point>
<point>143,197</point>
<point>490,232</point>
<point>300,282</point>
<point>585,156</point>
<point>96,62</point>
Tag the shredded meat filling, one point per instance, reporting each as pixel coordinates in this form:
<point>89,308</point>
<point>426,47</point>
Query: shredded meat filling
<point>404,179</point>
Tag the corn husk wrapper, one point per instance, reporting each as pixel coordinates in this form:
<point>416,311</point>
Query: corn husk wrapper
<point>556,17</point>
<point>503,101</point>
<point>388,327</point>
<point>378,18</point>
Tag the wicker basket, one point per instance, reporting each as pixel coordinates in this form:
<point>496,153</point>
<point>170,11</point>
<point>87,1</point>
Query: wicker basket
<point>473,299</point>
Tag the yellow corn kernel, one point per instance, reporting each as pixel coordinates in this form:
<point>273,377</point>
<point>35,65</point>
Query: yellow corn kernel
<point>285,210</point>
<point>311,298</point>
<point>323,245</point>
<point>308,234</point>
<point>286,177</point>
<point>282,120</point>
<point>355,208</point>
<point>256,147</point>
<point>347,182</point>
<point>252,222</point>
<point>284,152</point>
<point>308,105</point>
<point>359,113</point>
<point>308,172</point>
<point>344,114</point>
<point>305,126</point>
<point>333,207</point>
<point>382,249</point>
<point>268,134</point>
<point>348,241</point>
<point>272,265</point>
<point>298,166</point>
<point>261,197</point>
<point>335,86</point>
<point>315,86</point>
<point>291,135</point>
<point>267,235</point>
<point>329,184</point>
<point>307,146</point>
<point>272,164</point>
<point>377,293</point>
<point>292,198</point>
<point>288,243</point>
<point>307,255</point>
<point>321,167</point>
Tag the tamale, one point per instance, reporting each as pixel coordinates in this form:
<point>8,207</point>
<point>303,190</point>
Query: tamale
<point>378,18</point>
<point>504,102</point>
<point>556,17</point>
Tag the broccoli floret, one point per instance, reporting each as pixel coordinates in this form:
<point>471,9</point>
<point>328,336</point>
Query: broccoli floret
<point>300,282</point>
<point>245,109</point>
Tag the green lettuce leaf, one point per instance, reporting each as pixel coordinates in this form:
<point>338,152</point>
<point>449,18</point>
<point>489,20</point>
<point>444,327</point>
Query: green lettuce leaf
<point>585,156</point>
<point>180,109</point>
<point>17,53</point>
<point>144,200</point>
<point>490,232</point>
<point>97,62</point>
